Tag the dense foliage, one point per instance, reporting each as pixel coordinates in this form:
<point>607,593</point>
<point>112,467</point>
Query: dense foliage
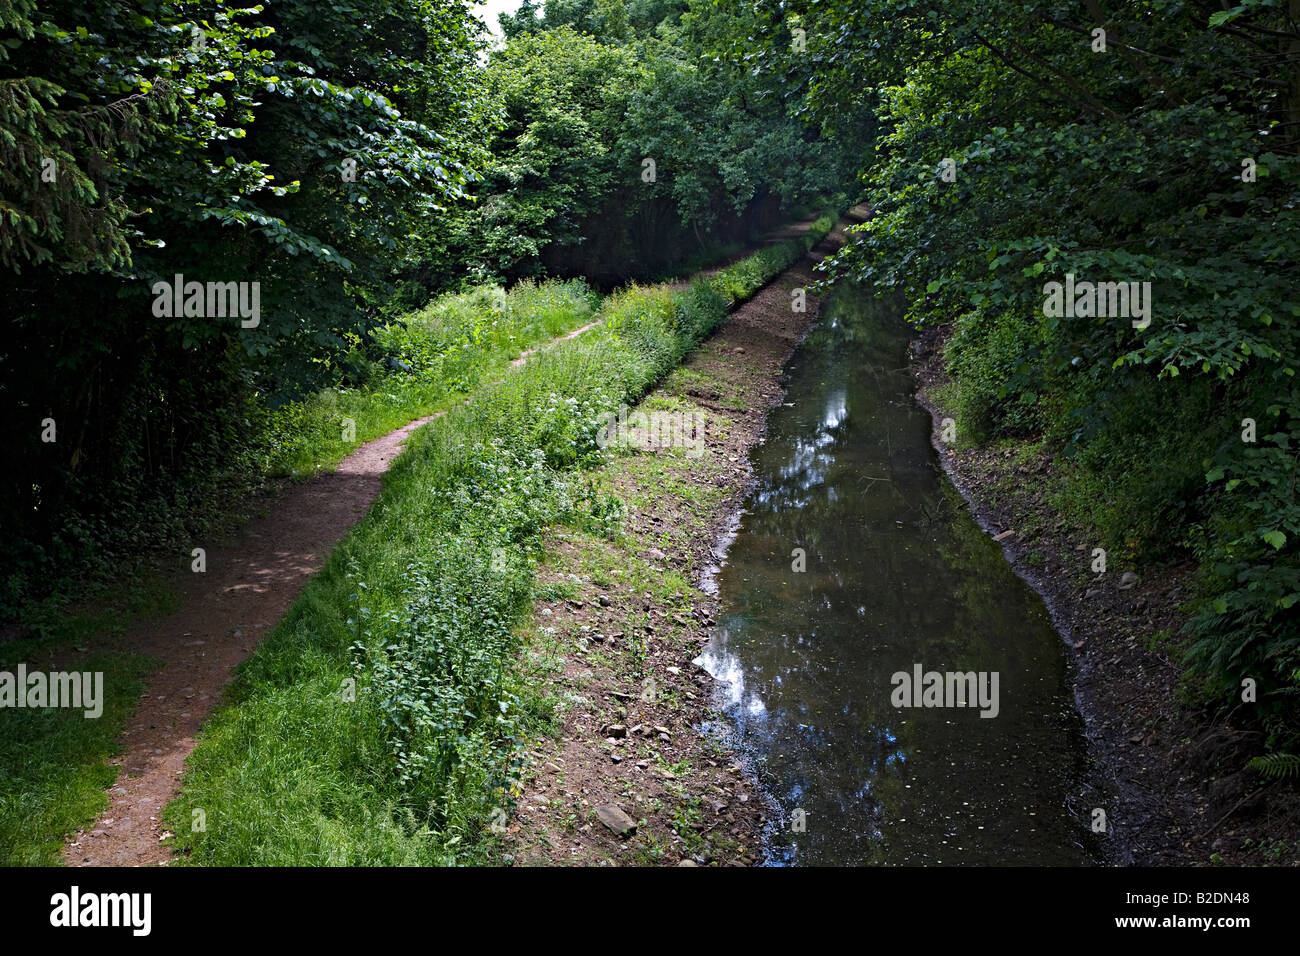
<point>1135,142</point>
<point>350,158</point>
<point>632,136</point>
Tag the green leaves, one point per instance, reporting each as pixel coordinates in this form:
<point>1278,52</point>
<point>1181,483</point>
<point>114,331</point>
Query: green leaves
<point>1068,164</point>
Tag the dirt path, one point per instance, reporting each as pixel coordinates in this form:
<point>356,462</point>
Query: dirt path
<point>224,613</point>
<point>529,353</point>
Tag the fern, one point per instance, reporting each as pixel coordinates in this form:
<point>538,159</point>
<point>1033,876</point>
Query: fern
<point>1276,766</point>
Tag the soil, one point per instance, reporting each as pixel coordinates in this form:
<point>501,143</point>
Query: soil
<point>1181,792</point>
<point>637,742</point>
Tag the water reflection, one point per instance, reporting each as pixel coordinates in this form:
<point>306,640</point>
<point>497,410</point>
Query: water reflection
<point>896,575</point>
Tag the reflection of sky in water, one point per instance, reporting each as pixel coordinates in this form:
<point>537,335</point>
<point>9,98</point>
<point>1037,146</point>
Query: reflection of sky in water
<point>810,458</point>
<point>803,660</point>
<point>725,667</point>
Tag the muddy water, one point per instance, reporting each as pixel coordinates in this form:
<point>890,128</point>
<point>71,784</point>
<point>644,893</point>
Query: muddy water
<point>897,576</point>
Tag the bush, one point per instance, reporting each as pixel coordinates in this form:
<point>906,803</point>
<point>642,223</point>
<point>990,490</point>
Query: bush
<point>993,361</point>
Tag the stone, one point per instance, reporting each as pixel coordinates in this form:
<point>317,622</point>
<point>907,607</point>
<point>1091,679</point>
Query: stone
<point>612,815</point>
<point>1128,580</point>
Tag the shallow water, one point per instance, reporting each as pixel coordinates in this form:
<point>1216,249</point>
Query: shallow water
<point>897,575</point>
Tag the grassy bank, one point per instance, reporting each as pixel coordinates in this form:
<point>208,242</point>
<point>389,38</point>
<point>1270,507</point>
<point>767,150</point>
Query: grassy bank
<point>422,363</point>
<point>381,720</point>
<point>53,769</point>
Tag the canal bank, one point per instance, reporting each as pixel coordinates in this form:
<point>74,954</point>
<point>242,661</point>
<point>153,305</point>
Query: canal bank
<point>797,752</point>
<point>1181,791</point>
<point>633,770</point>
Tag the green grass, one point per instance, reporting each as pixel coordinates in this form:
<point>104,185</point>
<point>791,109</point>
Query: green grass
<point>451,347</point>
<point>53,763</point>
<point>418,606</point>
<point>54,759</point>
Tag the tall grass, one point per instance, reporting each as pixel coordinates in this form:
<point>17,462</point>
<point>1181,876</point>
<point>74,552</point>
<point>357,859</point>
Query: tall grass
<point>380,722</point>
<point>422,363</point>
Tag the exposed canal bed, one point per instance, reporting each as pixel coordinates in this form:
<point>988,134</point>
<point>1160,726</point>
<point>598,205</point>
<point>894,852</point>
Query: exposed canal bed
<point>856,582</point>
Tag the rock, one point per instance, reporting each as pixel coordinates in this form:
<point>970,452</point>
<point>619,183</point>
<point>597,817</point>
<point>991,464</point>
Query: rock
<point>1229,793</point>
<point>657,555</point>
<point>688,863</point>
<point>1091,593</point>
<point>1128,580</point>
<point>604,600</point>
<point>613,817</point>
<point>617,731</point>
<point>1003,535</point>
